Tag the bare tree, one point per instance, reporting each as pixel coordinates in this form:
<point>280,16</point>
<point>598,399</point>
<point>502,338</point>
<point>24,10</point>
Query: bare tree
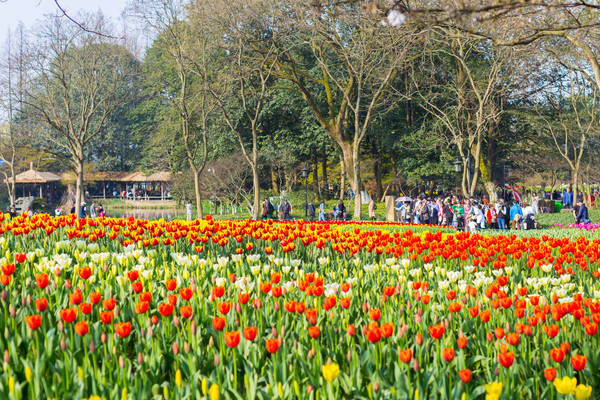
<point>573,124</point>
<point>76,82</point>
<point>246,75</point>
<point>465,103</point>
<point>358,61</point>
<point>187,46</point>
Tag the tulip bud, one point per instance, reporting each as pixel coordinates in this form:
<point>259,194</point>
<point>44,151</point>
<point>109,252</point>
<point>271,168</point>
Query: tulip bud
<point>6,356</point>
<point>53,285</point>
<point>103,337</point>
<point>408,305</point>
<point>117,310</point>
<point>13,311</point>
<point>150,332</point>
<point>61,326</point>
<point>276,305</point>
<point>121,362</point>
<point>4,295</point>
<point>274,331</point>
<point>507,327</point>
<point>63,343</point>
<point>446,323</point>
<point>309,389</point>
<point>349,356</point>
<point>415,364</point>
<point>186,347</point>
<point>376,386</point>
<point>140,359</point>
<point>365,307</point>
<point>67,284</point>
<point>496,371</point>
<point>237,322</point>
<point>216,360</point>
<point>23,301</point>
<point>92,346</point>
<point>175,348</point>
<point>417,318</point>
<point>238,308</point>
<point>193,327</point>
<point>211,342</point>
<point>114,350</point>
<point>175,321</point>
<point>142,332</point>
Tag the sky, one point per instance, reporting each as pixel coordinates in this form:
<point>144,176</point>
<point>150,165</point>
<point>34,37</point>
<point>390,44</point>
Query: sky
<point>31,12</point>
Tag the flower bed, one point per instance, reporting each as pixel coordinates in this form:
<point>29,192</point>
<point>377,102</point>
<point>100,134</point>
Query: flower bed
<point>125,308</point>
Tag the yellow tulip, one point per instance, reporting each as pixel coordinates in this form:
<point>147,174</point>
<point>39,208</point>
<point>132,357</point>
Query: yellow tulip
<point>178,378</point>
<point>28,373</point>
<point>213,392</point>
<point>583,392</point>
<point>124,394</point>
<point>204,387</point>
<point>565,385</point>
<point>493,390</point>
<point>330,371</point>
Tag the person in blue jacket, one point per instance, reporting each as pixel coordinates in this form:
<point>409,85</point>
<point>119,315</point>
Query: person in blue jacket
<point>516,214</point>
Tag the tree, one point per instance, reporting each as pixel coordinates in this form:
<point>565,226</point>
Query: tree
<point>572,123</point>
<point>77,80</point>
<point>186,44</point>
<point>357,60</point>
<point>246,74</point>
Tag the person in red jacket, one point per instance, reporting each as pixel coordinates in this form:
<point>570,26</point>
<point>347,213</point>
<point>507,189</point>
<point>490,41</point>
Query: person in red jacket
<point>492,218</point>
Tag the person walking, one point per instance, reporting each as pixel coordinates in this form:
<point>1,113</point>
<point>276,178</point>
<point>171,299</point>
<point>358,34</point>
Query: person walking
<point>372,208</point>
<point>311,210</point>
<point>93,210</point>
<point>322,211</point>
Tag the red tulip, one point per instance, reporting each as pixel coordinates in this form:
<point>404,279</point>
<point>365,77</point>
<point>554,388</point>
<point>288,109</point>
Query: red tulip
<point>34,321</point>
<point>243,298</point>
<point>171,284</point>
<point>375,314</point>
<point>133,275</point>
<point>76,297</point>
<point>232,339</point>
<point>250,333</point>
<point>436,331</point>
<point>85,272</point>
<point>506,359</point>
<point>218,323</point>
<point>461,342</point>
<point>448,354</point>
<point>557,354</point>
<point>141,307</point>
<point>405,355</point>
<point>109,304</point>
<point>387,329</point>
<point>350,330</point>
<point>186,293</point>
<point>41,280</point>
<point>81,328</point>
<point>186,312</point>
<point>95,297</point>
<point>123,329</point>
<point>224,308</point>
<point>578,362</point>
<point>106,317</point>
<point>465,375</point>
<point>314,332</point>
<point>165,309</point>
<point>550,374</point>
<point>68,314</point>
<point>272,345</point>
<point>41,304</point>
<point>85,308</point>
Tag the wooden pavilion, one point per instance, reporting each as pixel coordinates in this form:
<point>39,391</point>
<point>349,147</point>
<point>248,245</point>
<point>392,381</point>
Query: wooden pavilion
<point>31,182</point>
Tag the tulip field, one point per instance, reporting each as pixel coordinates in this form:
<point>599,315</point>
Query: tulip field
<point>134,309</point>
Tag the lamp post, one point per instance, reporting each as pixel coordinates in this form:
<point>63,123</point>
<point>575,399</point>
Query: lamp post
<point>305,176</point>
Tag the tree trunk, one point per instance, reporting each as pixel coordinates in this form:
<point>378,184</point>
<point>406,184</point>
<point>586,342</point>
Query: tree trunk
<point>197,194</point>
<point>356,183</point>
<point>324,167</point>
<point>575,183</point>
<point>377,165</point>
<point>316,187</point>
<point>342,179</point>
<point>78,186</point>
<point>274,179</point>
<point>256,187</point>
